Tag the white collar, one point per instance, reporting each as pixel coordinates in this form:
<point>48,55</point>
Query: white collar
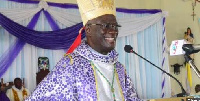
<point>86,51</point>
<point>16,89</point>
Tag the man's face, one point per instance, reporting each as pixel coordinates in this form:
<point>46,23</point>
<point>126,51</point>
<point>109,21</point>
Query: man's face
<point>18,84</point>
<point>102,32</point>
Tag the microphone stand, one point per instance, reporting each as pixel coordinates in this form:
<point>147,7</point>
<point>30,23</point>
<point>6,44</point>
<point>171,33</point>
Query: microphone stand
<point>191,62</point>
<point>189,49</point>
<point>183,94</point>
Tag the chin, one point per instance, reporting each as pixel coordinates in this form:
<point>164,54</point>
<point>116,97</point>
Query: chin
<point>112,46</point>
<point>109,49</point>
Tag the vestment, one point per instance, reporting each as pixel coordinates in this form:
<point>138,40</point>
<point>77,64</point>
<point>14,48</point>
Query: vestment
<point>3,96</point>
<point>74,79</point>
<point>20,93</point>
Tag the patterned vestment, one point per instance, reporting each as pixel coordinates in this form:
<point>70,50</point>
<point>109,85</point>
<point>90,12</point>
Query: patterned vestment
<point>73,78</point>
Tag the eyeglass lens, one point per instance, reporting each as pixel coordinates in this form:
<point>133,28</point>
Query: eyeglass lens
<point>108,26</point>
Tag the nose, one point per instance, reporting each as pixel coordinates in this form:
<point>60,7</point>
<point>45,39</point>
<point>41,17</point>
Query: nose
<point>111,31</point>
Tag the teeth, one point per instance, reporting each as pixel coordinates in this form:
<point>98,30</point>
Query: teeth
<point>109,38</point>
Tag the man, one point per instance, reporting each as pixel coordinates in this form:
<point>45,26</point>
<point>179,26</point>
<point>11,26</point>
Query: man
<point>17,92</point>
<point>91,72</point>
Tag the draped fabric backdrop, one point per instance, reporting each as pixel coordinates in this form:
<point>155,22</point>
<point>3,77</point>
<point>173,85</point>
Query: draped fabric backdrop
<point>143,29</point>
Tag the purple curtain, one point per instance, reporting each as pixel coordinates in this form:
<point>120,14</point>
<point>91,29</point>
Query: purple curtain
<point>9,56</point>
<point>51,21</point>
<point>58,39</point>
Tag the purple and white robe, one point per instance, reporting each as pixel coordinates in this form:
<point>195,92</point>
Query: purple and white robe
<point>74,79</point>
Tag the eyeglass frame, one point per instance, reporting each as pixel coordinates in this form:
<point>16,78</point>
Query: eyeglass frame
<point>106,25</point>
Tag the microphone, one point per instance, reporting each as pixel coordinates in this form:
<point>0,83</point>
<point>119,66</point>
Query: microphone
<point>129,49</point>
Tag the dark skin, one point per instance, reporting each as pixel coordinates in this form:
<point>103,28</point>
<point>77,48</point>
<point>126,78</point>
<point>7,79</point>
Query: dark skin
<point>18,84</point>
<point>101,40</point>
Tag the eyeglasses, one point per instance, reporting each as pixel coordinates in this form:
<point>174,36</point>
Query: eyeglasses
<point>107,26</point>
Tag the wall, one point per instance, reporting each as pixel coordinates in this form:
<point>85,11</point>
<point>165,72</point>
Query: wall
<point>176,24</point>
<point>179,19</point>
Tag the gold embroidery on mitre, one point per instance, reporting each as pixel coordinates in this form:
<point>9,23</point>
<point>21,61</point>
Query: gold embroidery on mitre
<point>90,9</point>
<point>106,4</point>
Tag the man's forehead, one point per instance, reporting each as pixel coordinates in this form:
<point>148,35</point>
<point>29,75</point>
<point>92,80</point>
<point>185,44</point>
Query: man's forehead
<point>18,80</point>
<point>103,18</point>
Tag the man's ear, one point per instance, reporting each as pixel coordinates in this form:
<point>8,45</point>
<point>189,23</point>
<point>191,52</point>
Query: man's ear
<point>88,30</point>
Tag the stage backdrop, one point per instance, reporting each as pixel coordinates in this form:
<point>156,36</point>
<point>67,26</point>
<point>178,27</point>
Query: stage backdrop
<point>143,29</point>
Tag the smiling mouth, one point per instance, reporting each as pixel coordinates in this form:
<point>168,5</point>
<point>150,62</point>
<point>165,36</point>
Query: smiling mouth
<point>110,39</point>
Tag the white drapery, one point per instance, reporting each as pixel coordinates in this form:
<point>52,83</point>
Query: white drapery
<point>136,30</point>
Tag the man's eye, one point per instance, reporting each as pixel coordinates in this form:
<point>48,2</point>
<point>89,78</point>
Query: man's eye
<point>112,26</point>
<point>106,25</point>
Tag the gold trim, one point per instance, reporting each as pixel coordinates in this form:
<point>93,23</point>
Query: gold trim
<point>70,57</point>
<point>66,54</point>
<point>105,4</point>
<point>95,81</point>
<point>16,97</point>
<point>117,77</point>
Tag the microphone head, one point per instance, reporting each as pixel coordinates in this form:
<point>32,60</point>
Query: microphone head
<point>128,48</point>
